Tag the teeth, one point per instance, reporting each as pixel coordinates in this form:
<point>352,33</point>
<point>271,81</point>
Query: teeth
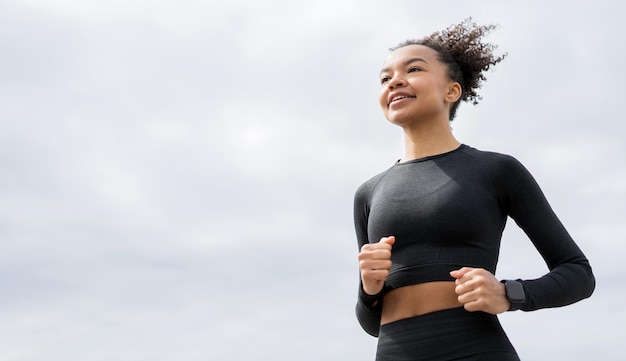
<point>398,98</point>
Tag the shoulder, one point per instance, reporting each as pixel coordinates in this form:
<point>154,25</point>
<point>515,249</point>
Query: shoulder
<point>364,191</point>
<point>507,175</point>
<point>493,161</point>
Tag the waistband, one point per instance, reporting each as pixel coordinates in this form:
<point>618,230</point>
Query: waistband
<point>445,335</point>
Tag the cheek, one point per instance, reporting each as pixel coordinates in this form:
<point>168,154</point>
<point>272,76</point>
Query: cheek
<point>382,98</point>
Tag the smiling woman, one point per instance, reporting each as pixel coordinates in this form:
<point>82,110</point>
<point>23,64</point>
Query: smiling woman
<point>429,228</point>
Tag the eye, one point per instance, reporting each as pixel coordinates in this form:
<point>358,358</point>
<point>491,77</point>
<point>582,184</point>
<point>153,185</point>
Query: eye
<point>414,69</point>
<point>384,79</point>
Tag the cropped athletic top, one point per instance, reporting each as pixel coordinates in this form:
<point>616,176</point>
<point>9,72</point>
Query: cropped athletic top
<point>449,211</point>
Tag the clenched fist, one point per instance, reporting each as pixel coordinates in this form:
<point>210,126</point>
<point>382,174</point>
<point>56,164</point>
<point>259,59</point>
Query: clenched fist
<point>479,290</point>
<point>375,263</point>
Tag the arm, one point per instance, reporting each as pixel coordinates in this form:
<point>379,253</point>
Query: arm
<point>368,312</point>
<point>368,307</point>
<point>570,278</point>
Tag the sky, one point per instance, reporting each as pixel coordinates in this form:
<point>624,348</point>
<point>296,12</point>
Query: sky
<point>177,177</point>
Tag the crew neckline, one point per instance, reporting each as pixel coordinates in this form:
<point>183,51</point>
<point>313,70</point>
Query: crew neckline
<point>418,160</point>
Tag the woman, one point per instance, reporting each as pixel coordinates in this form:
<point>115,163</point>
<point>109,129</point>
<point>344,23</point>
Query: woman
<point>429,227</point>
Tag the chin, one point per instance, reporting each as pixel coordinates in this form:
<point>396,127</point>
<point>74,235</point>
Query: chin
<point>398,119</point>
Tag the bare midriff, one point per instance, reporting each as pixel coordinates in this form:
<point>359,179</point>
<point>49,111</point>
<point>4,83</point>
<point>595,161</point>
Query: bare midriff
<point>419,299</point>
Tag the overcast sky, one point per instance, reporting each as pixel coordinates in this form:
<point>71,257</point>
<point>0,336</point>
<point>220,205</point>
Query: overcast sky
<point>176,177</point>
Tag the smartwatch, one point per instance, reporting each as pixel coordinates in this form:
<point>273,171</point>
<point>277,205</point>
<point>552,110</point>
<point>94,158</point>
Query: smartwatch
<point>514,293</point>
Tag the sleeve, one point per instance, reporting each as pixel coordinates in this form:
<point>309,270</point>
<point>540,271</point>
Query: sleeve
<point>368,307</point>
<point>570,278</point>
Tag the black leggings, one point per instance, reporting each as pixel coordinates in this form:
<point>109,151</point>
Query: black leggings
<point>453,334</point>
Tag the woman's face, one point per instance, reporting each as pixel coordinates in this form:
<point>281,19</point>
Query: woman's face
<point>415,86</point>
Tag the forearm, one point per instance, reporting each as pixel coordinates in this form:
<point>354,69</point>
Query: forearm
<point>570,278</point>
<point>565,284</point>
<point>369,311</point>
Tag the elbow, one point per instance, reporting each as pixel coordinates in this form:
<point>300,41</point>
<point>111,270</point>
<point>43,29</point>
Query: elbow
<point>368,319</point>
<point>583,284</point>
<point>371,330</point>
<point>590,281</point>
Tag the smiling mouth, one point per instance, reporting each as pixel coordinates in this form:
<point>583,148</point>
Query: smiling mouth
<point>398,98</point>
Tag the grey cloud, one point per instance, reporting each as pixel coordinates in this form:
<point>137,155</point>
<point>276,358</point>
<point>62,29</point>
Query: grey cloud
<point>177,179</point>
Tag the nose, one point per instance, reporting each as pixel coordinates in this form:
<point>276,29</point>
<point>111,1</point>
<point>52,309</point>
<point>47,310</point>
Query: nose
<point>395,82</point>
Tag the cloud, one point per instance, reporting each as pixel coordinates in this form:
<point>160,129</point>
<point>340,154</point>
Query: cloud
<point>177,179</point>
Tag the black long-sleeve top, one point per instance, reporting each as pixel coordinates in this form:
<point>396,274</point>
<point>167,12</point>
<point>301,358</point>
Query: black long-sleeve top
<point>449,211</point>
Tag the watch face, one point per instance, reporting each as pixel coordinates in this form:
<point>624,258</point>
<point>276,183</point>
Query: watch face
<point>515,291</point>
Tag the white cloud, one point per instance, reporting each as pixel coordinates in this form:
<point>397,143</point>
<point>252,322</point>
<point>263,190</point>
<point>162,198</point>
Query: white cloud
<point>177,178</point>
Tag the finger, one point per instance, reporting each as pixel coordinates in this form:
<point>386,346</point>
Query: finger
<point>380,275</point>
<point>464,288</point>
<point>470,296</point>
<point>375,275</point>
<point>474,284</point>
<point>375,265</point>
<point>461,274</point>
<point>384,243</point>
<point>388,240</point>
<point>375,246</point>
<point>381,254</point>
<point>473,290</point>
<point>477,279</point>
<point>472,306</point>
<point>376,254</point>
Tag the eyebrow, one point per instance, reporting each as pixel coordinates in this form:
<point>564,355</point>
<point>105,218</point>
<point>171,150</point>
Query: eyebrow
<point>412,60</point>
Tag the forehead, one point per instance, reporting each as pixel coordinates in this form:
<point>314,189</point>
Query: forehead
<point>401,55</point>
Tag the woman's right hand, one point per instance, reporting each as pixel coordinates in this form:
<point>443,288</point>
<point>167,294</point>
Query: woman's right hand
<point>375,263</point>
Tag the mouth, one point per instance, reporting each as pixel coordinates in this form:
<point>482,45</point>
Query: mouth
<point>398,97</point>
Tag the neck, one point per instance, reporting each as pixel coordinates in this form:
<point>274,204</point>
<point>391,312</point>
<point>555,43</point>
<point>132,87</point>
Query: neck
<point>420,142</point>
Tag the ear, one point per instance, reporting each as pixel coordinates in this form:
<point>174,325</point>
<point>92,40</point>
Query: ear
<point>454,92</point>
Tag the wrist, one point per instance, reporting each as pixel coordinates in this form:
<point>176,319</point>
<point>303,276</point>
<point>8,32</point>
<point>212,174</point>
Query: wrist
<point>515,294</point>
<point>370,300</point>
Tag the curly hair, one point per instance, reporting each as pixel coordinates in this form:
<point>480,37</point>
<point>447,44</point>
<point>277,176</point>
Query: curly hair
<point>467,57</point>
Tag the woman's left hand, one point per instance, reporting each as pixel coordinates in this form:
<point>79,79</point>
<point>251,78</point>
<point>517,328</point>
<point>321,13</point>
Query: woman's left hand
<point>479,290</point>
